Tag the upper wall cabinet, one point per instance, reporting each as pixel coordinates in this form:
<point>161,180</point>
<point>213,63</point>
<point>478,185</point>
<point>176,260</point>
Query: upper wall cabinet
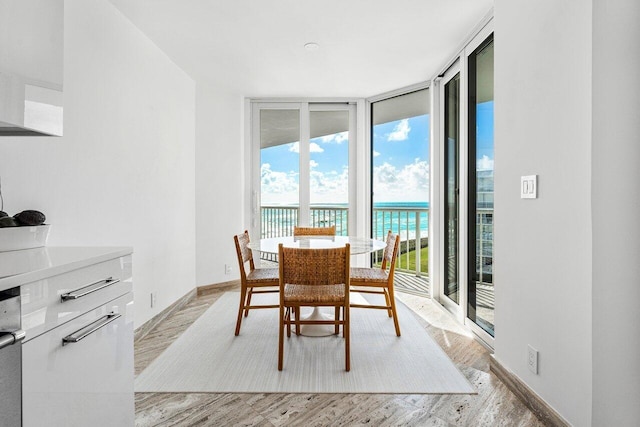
<point>31,67</point>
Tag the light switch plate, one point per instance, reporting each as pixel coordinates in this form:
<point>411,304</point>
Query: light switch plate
<point>529,187</point>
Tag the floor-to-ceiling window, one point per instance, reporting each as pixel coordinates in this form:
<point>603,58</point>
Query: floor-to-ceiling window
<point>400,135</point>
<point>480,293</point>
<point>303,154</point>
<point>279,192</point>
<point>329,168</point>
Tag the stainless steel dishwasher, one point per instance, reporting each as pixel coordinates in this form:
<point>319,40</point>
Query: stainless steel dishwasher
<point>11,336</point>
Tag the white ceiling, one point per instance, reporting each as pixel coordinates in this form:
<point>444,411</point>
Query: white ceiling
<point>255,47</point>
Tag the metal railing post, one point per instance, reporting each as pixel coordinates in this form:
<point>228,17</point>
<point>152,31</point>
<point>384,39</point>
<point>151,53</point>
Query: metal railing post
<point>418,245</point>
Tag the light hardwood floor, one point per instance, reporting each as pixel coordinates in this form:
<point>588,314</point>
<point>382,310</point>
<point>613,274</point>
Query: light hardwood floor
<point>494,405</point>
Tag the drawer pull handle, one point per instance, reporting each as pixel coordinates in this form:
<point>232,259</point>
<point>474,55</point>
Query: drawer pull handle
<point>89,289</point>
<point>90,328</point>
<point>10,338</point>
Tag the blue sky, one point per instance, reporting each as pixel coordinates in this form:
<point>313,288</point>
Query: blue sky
<point>484,150</point>
<point>401,160</point>
<point>400,163</point>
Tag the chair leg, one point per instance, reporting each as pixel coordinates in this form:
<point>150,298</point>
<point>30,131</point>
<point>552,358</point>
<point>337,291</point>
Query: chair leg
<point>246,310</point>
<point>297,309</point>
<point>388,301</point>
<point>287,320</point>
<point>281,339</point>
<point>337,320</point>
<point>243,292</point>
<point>347,333</point>
<point>395,312</point>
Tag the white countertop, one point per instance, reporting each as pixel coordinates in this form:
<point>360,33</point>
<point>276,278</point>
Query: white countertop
<point>28,265</point>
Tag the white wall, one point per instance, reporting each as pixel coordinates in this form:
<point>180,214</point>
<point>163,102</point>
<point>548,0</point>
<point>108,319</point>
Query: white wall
<point>219,182</point>
<point>543,247</point>
<point>615,207</point>
<point>123,174</point>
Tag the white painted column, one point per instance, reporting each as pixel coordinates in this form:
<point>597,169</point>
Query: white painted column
<point>615,213</point>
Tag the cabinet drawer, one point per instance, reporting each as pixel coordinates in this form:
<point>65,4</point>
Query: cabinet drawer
<point>84,383</point>
<point>44,308</point>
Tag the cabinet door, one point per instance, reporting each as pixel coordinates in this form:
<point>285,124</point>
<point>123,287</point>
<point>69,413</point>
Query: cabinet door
<point>31,40</point>
<point>44,309</point>
<point>83,383</point>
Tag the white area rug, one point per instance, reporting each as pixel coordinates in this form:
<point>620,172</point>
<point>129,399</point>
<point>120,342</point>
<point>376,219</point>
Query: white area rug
<point>207,357</point>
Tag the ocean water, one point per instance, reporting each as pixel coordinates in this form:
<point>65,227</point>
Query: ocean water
<point>399,217</point>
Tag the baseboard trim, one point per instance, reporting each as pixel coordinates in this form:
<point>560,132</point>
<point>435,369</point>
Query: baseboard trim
<point>541,409</point>
<point>222,286</point>
<point>150,324</point>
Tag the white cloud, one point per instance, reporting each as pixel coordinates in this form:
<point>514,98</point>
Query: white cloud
<point>278,187</point>
<point>485,164</point>
<point>409,184</point>
<point>315,148</point>
<point>400,131</point>
<point>294,147</point>
<point>337,138</point>
<point>313,163</point>
<point>330,187</point>
<point>375,153</point>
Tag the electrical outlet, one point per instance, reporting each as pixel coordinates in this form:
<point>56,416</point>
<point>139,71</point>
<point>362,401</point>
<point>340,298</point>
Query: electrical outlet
<point>153,299</point>
<point>227,269</point>
<point>532,359</point>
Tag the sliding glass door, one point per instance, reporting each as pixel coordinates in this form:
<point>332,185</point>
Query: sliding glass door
<point>451,205</point>
<point>465,167</point>
<point>480,300</point>
<point>277,128</point>
<point>329,167</point>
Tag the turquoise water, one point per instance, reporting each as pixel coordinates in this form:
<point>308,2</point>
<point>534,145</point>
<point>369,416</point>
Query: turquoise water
<point>399,217</point>
<point>400,221</point>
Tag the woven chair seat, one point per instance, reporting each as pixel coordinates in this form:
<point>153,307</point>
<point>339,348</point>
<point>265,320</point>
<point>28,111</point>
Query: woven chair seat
<point>324,294</point>
<point>376,275</point>
<point>264,275</point>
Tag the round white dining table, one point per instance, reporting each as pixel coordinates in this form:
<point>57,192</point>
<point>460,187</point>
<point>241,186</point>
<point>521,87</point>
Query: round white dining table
<point>358,246</point>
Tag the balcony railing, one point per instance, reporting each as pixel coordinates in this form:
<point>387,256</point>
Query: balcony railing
<point>410,223</point>
<point>279,221</point>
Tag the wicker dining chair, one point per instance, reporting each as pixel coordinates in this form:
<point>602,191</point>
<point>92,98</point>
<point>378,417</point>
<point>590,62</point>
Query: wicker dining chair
<point>264,279</point>
<point>363,280</point>
<point>314,231</point>
<point>314,278</point>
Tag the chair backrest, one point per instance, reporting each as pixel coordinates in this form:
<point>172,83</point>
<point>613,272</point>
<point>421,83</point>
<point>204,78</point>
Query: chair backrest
<point>244,253</point>
<point>314,266</point>
<point>314,231</point>
<point>390,252</point>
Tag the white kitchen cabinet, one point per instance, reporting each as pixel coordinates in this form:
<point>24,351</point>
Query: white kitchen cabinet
<point>83,383</point>
<point>43,306</point>
<point>77,356</point>
<point>31,67</point>
<point>32,40</point>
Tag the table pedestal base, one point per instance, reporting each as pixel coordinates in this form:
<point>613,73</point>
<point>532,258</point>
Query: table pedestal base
<point>317,330</point>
